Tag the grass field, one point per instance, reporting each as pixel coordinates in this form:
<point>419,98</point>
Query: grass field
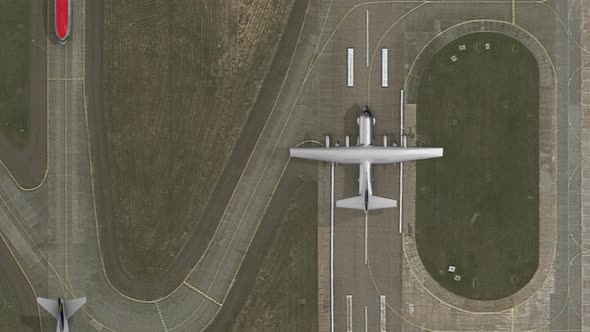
<point>284,296</point>
<point>18,310</point>
<point>180,79</point>
<point>14,70</point>
<point>477,208</point>
<point>9,310</point>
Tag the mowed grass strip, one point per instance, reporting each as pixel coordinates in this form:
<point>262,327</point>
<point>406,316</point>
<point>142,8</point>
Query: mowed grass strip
<point>18,309</point>
<point>477,208</point>
<point>9,309</point>
<point>15,33</point>
<point>284,296</point>
<point>180,79</point>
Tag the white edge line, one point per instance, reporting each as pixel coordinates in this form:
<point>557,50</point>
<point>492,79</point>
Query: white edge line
<point>366,325</point>
<point>367,36</point>
<point>366,242</point>
<point>332,249</point>
<point>401,165</point>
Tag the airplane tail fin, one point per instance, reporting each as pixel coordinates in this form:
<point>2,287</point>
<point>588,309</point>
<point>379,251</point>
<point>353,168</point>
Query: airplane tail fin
<point>52,306</point>
<point>358,203</point>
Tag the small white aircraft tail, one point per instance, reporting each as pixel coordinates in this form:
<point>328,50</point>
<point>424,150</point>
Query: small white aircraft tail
<point>52,306</point>
<point>61,310</point>
<point>74,305</point>
<point>374,203</point>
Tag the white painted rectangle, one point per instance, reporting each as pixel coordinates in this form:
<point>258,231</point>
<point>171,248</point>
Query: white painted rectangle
<point>402,142</point>
<point>384,68</point>
<point>348,313</point>
<point>382,314</point>
<point>366,324</point>
<point>350,70</point>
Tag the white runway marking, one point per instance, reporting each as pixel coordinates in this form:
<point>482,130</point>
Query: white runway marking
<point>367,36</point>
<point>366,242</point>
<point>382,314</point>
<point>401,165</point>
<point>332,248</point>
<point>350,67</point>
<point>384,69</point>
<point>366,326</point>
<point>348,313</point>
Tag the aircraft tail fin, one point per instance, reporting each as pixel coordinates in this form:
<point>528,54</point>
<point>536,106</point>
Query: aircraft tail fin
<point>358,203</point>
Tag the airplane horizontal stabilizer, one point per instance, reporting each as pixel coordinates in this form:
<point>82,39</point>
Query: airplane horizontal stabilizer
<point>74,305</point>
<point>376,203</point>
<point>358,203</point>
<point>50,306</point>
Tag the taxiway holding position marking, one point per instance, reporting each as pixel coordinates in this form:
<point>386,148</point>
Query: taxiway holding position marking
<point>202,293</point>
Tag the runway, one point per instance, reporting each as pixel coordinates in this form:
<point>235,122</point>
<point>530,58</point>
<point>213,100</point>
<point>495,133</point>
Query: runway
<point>405,28</point>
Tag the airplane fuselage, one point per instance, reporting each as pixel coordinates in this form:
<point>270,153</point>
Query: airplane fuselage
<point>63,20</point>
<point>62,322</point>
<point>366,121</point>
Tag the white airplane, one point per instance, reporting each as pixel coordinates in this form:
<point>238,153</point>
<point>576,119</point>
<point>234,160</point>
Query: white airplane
<point>365,154</point>
<point>61,310</point>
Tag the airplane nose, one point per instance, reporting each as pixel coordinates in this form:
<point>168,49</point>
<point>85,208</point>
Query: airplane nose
<point>366,111</point>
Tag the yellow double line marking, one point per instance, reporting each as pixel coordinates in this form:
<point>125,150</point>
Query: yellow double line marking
<point>202,293</point>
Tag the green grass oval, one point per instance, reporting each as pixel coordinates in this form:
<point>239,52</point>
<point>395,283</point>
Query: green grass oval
<point>477,208</point>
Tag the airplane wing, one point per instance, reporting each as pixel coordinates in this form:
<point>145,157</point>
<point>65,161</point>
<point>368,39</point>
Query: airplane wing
<point>73,305</point>
<point>373,154</point>
<point>49,305</point>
